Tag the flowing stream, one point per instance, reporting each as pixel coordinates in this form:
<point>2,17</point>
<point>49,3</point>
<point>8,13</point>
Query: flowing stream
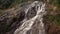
<point>33,21</point>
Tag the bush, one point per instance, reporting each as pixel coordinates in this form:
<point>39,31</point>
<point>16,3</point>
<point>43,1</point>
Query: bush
<point>8,3</point>
<point>55,2</point>
<point>3,28</point>
<point>5,3</point>
<point>57,20</point>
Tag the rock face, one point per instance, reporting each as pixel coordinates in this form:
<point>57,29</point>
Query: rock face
<point>15,17</point>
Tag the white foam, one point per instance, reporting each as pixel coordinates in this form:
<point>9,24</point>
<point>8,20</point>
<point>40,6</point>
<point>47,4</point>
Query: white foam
<point>27,24</point>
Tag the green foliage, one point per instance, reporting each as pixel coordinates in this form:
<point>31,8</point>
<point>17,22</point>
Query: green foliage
<point>5,3</point>
<point>10,3</point>
<point>3,28</point>
<point>50,17</point>
<point>19,1</point>
<point>55,19</point>
<point>55,2</point>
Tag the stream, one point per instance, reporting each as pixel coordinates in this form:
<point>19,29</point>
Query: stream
<point>33,21</point>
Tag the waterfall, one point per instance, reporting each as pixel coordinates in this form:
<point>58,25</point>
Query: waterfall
<point>33,21</point>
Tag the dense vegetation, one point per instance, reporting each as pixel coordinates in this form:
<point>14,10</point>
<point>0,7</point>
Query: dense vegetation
<point>10,3</point>
<point>54,18</point>
<point>55,2</point>
<point>5,3</point>
<point>3,28</point>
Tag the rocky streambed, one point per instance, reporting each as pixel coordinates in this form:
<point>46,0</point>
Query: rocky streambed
<point>27,18</point>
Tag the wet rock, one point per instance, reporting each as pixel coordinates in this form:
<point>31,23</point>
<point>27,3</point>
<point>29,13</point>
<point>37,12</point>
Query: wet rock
<point>31,13</point>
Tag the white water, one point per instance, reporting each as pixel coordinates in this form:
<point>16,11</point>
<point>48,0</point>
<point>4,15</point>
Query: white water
<point>28,24</point>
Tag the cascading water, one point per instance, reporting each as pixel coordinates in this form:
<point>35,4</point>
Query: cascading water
<point>33,21</point>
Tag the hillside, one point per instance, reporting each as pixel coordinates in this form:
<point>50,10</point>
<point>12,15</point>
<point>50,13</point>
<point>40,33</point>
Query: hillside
<point>11,15</point>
